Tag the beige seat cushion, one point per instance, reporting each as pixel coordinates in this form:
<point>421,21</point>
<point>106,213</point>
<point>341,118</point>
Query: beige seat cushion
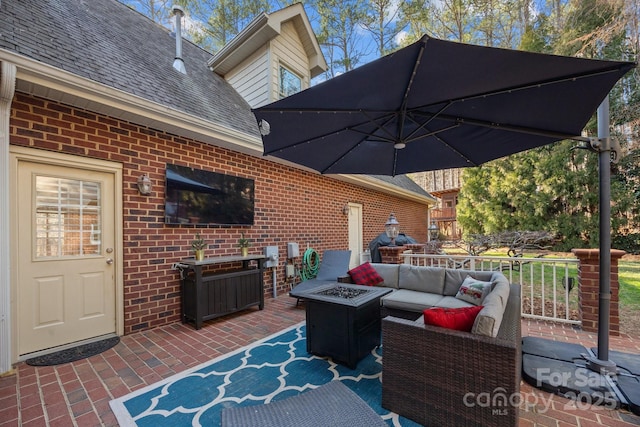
<point>404,299</point>
<point>453,302</point>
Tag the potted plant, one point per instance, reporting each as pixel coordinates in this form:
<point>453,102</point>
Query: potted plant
<point>244,244</point>
<point>198,246</point>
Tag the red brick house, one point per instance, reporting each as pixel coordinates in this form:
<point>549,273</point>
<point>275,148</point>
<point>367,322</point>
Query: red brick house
<point>90,103</point>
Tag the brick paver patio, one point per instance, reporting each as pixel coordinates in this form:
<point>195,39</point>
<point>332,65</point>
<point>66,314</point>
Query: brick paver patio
<point>78,393</point>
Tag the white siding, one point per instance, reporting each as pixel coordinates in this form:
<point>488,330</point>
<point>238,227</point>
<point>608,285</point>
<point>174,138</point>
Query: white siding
<point>287,50</point>
<point>251,78</point>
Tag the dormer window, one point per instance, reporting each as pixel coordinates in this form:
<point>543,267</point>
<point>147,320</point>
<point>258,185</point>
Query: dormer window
<point>290,82</point>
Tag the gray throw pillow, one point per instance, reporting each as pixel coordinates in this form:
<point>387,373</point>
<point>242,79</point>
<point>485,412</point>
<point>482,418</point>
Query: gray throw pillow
<point>473,290</point>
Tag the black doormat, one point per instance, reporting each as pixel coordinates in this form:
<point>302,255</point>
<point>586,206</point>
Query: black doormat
<point>74,353</point>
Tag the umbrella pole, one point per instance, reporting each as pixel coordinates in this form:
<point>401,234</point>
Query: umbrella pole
<point>602,364</point>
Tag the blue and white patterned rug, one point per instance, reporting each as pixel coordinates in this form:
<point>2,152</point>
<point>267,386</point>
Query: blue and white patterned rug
<point>271,369</point>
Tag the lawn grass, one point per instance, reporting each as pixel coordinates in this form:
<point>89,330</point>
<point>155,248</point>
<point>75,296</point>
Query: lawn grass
<point>629,278</point>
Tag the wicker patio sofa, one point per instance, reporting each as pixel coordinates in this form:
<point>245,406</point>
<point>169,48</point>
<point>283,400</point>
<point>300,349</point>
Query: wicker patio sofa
<point>437,376</point>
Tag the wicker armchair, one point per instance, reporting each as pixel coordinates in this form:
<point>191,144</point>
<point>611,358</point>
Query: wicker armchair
<point>439,377</point>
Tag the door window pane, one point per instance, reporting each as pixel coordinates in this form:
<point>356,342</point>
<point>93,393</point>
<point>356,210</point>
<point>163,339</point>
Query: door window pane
<point>67,217</point>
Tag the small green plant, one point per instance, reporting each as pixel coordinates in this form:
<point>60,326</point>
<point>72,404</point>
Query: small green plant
<point>243,242</point>
<point>198,244</point>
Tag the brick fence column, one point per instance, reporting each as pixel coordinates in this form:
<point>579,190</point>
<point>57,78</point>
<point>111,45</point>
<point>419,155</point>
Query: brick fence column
<point>391,254</point>
<point>589,288</point>
<point>416,248</point>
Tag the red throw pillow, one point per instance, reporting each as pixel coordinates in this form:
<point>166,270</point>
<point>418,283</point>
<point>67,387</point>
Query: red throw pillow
<point>365,274</point>
<point>460,319</point>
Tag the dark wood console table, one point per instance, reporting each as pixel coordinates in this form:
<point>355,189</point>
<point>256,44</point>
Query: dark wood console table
<point>207,294</point>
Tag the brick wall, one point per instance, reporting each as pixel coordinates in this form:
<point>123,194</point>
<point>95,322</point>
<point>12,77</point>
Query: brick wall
<point>290,205</point>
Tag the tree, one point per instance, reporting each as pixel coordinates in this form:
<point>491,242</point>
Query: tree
<point>384,21</point>
<point>339,23</point>
<point>220,20</point>
<point>157,10</point>
<point>555,188</point>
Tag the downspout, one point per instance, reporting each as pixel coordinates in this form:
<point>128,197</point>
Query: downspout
<point>7,91</point>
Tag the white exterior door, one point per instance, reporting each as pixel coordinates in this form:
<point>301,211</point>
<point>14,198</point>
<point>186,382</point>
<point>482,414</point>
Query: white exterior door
<point>66,232</point>
<point>355,233</point>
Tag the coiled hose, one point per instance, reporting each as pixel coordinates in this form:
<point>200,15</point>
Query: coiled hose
<point>310,263</point>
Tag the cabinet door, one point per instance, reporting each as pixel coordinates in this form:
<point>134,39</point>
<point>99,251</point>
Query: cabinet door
<point>222,296</point>
<point>328,330</point>
<point>248,289</point>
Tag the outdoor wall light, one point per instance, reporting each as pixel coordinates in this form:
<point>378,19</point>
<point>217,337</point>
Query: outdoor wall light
<point>392,229</point>
<point>144,184</point>
<point>265,127</point>
<point>345,210</point>
<point>433,231</point>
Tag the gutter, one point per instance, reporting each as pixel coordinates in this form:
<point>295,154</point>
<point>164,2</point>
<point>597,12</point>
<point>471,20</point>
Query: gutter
<point>375,184</point>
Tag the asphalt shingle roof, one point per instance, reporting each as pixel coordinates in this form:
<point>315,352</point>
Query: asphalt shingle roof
<point>109,43</point>
<point>402,181</point>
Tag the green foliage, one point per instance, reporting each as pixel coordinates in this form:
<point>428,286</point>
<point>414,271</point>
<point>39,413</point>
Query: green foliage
<point>629,243</point>
<point>198,243</point>
<point>243,242</point>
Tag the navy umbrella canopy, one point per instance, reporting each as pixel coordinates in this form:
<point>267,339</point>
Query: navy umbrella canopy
<point>435,105</point>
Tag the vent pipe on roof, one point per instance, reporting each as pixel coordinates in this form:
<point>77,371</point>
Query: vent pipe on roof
<point>178,63</point>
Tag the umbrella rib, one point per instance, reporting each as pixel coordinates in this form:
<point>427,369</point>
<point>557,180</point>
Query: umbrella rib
<point>405,98</point>
<point>455,150</point>
<point>506,127</point>
<point>295,144</point>
<point>381,127</point>
<point>425,124</point>
<point>526,86</point>
<point>388,117</point>
<point>432,133</point>
<point>338,158</point>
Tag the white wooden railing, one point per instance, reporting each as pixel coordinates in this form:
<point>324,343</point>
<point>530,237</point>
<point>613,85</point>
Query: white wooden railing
<point>547,283</point>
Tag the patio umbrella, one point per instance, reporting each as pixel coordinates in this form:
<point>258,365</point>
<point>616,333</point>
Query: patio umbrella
<point>438,104</point>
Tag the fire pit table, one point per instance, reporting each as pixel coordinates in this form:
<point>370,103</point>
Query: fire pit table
<point>343,320</point>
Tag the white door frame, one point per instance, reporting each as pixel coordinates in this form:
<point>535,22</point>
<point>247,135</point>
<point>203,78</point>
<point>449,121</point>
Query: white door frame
<point>355,220</point>
<point>18,154</point>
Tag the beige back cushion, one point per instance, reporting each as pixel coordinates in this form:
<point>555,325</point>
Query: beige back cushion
<point>489,319</point>
<point>423,279</point>
<point>389,272</point>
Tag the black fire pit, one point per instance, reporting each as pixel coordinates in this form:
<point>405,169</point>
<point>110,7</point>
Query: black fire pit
<point>343,321</point>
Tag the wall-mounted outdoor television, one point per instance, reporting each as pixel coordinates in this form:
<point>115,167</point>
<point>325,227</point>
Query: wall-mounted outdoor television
<point>195,196</point>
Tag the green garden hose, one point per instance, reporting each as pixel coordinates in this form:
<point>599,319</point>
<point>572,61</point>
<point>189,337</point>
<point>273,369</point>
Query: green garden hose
<point>310,263</point>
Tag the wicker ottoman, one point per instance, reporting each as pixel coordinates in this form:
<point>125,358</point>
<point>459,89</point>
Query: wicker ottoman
<point>332,404</point>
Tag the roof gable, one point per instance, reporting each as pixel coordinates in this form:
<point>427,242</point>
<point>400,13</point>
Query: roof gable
<point>263,29</point>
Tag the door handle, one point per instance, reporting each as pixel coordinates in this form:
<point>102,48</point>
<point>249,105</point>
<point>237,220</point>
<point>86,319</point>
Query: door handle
<point>109,261</point>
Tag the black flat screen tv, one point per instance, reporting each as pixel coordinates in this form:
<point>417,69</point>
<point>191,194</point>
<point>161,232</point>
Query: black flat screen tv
<point>195,196</point>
